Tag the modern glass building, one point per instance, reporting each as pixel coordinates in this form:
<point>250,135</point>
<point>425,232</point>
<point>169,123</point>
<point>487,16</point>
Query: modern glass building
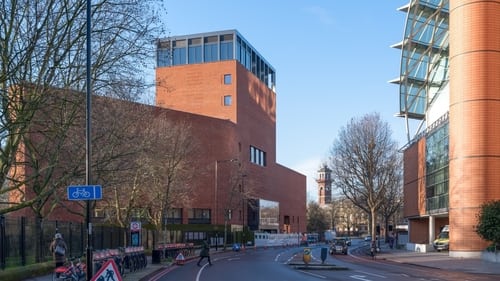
<point>450,87</point>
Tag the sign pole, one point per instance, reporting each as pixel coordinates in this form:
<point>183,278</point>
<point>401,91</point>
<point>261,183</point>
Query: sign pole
<point>88,138</point>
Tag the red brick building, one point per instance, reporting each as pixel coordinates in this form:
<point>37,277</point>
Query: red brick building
<point>230,105</point>
<point>220,76</point>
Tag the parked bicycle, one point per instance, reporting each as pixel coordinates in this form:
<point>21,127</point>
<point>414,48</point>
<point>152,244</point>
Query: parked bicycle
<point>135,258</point>
<point>100,257</point>
<point>74,270</point>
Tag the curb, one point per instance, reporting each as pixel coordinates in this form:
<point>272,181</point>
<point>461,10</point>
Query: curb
<point>317,266</point>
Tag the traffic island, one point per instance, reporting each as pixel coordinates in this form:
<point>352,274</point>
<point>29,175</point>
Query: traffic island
<point>307,265</point>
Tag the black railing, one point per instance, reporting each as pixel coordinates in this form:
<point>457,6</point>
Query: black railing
<point>25,241</point>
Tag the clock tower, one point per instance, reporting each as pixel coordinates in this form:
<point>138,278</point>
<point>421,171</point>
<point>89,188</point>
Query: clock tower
<point>324,181</point>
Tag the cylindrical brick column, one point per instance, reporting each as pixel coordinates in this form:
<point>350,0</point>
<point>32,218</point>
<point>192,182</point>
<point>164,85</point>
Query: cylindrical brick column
<point>474,118</point>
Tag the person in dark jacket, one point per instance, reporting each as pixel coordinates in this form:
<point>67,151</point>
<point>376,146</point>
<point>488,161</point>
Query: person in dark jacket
<point>58,249</point>
<point>205,253</point>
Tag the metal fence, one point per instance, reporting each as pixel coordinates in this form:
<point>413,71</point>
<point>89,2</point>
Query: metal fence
<point>25,241</point>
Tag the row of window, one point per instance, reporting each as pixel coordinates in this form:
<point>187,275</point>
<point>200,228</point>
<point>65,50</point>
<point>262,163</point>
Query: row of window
<point>257,156</point>
<point>210,48</point>
<point>228,99</point>
<point>437,169</point>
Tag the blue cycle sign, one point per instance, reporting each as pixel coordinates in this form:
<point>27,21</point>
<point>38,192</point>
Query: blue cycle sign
<point>85,192</point>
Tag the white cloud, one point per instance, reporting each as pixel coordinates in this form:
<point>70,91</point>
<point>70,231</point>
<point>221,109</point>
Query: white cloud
<point>310,167</point>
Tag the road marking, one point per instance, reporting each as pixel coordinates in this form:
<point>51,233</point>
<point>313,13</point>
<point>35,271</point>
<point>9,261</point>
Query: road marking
<point>372,274</point>
<point>312,274</point>
<point>359,277</point>
<point>199,272</point>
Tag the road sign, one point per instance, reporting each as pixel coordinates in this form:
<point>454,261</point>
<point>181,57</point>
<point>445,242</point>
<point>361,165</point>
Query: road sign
<point>135,226</point>
<point>84,192</point>
<point>109,272</point>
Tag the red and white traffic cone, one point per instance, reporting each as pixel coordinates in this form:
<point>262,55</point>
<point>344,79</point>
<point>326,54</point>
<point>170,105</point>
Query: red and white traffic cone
<point>179,260</point>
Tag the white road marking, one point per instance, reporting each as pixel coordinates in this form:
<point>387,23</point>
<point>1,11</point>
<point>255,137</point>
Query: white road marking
<point>372,274</point>
<point>359,277</point>
<point>312,274</point>
<point>277,257</point>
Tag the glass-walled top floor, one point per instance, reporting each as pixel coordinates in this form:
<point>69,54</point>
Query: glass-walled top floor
<point>211,47</point>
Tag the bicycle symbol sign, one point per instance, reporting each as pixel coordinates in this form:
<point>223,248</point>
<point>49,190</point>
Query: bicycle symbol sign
<point>85,192</point>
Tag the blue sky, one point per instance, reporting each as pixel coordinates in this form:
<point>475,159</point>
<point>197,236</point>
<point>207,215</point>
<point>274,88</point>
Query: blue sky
<point>332,58</point>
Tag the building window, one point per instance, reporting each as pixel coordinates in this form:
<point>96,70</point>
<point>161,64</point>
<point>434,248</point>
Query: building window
<point>194,236</point>
<point>227,100</point>
<point>199,216</point>
<point>437,170</point>
<point>257,156</point>
<point>163,57</point>
<point>179,52</point>
<point>226,47</point>
<point>210,46</point>
<point>194,50</point>
<point>227,79</point>
<point>174,216</point>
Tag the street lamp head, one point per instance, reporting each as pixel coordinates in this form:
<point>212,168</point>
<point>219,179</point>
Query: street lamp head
<point>227,160</point>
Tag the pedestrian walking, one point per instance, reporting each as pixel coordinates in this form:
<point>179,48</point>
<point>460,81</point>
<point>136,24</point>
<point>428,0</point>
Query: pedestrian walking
<point>205,253</point>
<point>58,249</point>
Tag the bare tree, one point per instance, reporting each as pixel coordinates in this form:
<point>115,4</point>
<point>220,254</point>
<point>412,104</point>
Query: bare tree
<point>43,47</point>
<point>168,169</point>
<point>237,194</point>
<point>317,220</point>
<point>393,201</point>
<point>333,212</point>
<point>364,163</point>
<point>154,176</point>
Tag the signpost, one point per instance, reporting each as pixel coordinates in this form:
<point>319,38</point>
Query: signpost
<point>85,192</point>
<point>88,193</point>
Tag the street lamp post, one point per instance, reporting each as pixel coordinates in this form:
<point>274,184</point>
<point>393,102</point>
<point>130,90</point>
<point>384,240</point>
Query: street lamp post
<point>243,176</point>
<point>216,207</point>
<point>88,135</point>
<point>216,220</point>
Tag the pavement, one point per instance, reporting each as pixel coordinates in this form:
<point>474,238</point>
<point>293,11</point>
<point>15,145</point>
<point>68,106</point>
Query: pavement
<point>440,260</point>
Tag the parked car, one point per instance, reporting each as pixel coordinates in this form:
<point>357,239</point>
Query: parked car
<point>368,238</point>
<point>236,247</point>
<point>338,246</point>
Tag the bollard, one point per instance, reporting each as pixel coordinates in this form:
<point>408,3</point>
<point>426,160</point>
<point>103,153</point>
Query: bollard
<point>323,254</point>
<point>307,255</point>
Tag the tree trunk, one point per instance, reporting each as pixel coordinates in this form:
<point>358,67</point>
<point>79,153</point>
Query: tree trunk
<point>373,219</point>
<point>39,234</point>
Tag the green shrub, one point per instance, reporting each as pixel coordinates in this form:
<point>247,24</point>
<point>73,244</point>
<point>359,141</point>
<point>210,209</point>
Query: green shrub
<point>488,226</point>
<point>26,272</point>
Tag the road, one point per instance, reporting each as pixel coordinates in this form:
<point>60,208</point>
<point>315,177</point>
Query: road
<point>275,264</point>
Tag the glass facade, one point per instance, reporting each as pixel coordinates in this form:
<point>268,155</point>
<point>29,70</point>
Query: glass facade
<point>424,65</point>
<point>211,47</point>
<point>437,170</point>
